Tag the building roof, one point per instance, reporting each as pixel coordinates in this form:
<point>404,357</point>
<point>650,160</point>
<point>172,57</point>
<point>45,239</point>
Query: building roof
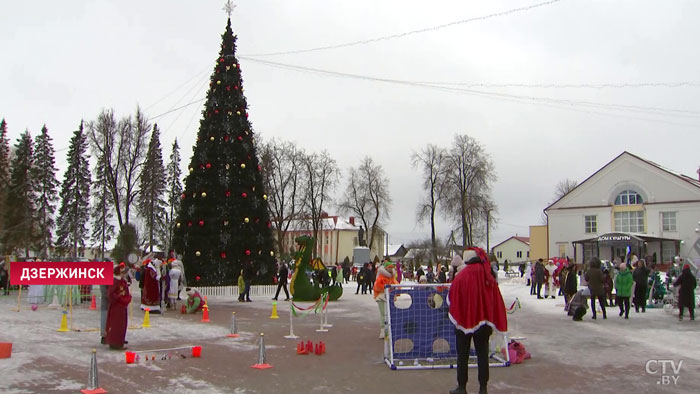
<point>525,240</point>
<point>393,249</point>
<point>327,224</point>
<point>685,178</point>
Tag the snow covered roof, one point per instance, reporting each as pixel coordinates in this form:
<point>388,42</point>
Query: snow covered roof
<point>329,223</point>
<point>525,240</point>
<point>392,249</point>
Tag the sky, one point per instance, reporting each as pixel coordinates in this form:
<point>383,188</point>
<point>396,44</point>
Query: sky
<point>552,90</point>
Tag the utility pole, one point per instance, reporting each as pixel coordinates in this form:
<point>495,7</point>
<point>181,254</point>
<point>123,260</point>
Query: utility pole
<point>488,219</point>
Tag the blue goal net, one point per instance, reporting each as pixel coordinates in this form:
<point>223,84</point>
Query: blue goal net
<point>420,334</point>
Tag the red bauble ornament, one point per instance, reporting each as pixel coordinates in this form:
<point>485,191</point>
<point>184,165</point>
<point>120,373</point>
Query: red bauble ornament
<point>246,115</point>
<point>240,138</point>
<point>197,278</point>
<point>216,111</point>
<point>208,165</point>
<point>259,168</point>
<point>225,138</point>
<point>236,87</point>
<point>269,224</point>
<point>257,220</point>
<point>221,60</point>
<point>244,194</point>
<point>201,223</point>
<point>223,255</point>
<point>228,88</point>
<point>228,193</point>
<point>189,224</point>
<point>247,252</point>
<point>183,196</point>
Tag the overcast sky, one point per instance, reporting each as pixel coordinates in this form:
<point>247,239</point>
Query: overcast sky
<point>63,61</point>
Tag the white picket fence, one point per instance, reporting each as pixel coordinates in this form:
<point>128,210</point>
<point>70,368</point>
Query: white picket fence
<point>232,291</point>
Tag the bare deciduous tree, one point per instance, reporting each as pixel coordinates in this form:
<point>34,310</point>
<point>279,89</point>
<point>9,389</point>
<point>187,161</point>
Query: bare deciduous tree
<point>563,188</point>
<point>367,196</point>
<point>430,161</point>
<point>469,175</point>
<point>282,171</point>
<point>321,176</point>
<point>120,147</point>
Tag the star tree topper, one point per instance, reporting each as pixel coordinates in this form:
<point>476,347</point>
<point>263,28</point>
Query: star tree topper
<point>228,7</point>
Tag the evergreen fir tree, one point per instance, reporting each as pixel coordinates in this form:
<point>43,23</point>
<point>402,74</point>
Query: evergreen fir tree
<point>223,222</point>
<point>20,228</point>
<point>74,213</point>
<point>45,186</point>
<point>4,174</point>
<point>102,211</point>
<point>174,190</point>
<point>151,202</point>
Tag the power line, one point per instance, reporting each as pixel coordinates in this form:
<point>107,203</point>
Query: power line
<point>568,86</point>
<point>504,96</point>
<point>408,33</point>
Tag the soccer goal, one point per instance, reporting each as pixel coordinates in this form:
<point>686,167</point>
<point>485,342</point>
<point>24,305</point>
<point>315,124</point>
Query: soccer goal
<point>420,334</point>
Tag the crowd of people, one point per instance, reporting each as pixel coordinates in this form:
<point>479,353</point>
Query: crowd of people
<point>624,284</point>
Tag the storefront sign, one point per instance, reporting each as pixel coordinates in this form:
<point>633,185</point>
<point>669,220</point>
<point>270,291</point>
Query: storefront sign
<point>614,237</point>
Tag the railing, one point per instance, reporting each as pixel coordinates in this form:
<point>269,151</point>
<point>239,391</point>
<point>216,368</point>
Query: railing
<point>232,291</point>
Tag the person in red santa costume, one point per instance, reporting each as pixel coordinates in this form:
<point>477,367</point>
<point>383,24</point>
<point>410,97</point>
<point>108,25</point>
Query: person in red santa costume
<point>119,299</point>
<point>150,295</point>
<point>476,309</point>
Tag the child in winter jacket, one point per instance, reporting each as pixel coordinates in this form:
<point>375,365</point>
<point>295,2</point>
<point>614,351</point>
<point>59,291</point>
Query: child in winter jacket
<point>385,276</point>
<point>241,288</point>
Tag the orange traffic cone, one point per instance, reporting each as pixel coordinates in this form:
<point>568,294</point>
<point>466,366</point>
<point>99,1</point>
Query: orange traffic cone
<point>205,314</point>
<point>321,348</point>
<point>93,305</point>
<point>301,349</point>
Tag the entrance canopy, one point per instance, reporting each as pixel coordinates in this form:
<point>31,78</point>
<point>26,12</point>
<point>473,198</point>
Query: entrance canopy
<point>636,242</point>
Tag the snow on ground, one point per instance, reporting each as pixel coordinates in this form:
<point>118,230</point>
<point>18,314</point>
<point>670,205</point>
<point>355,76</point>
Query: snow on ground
<point>609,355</point>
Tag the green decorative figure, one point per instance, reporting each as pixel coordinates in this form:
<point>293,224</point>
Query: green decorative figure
<point>301,287</point>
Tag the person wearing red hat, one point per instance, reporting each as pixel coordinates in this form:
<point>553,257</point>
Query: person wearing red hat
<point>476,309</point>
<point>686,293</point>
<point>119,299</point>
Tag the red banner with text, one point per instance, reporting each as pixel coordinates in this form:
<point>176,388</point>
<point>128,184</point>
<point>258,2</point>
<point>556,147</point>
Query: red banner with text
<point>61,273</point>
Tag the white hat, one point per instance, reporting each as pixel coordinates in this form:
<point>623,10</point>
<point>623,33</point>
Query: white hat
<point>456,261</point>
<point>469,255</point>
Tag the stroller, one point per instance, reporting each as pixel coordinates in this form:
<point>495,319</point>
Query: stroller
<point>578,306</point>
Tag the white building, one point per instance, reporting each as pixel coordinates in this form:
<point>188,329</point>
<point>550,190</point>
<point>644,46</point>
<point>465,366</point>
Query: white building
<point>631,204</point>
<point>514,249</point>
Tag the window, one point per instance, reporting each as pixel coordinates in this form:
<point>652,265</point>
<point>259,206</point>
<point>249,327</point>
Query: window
<point>528,254</point>
<point>668,220</point>
<point>591,224</point>
<point>628,197</point>
<point>519,254</point>
<point>669,251</point>
<point>589,250</point>
<point>629,222</point>
<point>499,254</point>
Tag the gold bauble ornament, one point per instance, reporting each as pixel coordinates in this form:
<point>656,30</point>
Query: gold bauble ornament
<point>204,194</point>
<point>246,220</point>
<point>227,166</point>
<point>191,169</point>
<point>264,196</point>
<point>238,112</point>
<point>178,224</point>
<point>242,165</point>
<point>272,253</point>
<point>211,138</point>
<point>218,82</point>
<point>228,68</point>
<point>197,253</point>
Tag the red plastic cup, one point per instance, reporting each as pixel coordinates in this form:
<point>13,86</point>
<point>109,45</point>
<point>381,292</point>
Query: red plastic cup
<point>196,351</point>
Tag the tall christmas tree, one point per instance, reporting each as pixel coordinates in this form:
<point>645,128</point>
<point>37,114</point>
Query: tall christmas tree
<point>223,221</point>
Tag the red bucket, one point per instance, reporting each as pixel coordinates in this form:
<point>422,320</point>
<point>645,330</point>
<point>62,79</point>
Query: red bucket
<point>130,357</point>
<point>196,351</point>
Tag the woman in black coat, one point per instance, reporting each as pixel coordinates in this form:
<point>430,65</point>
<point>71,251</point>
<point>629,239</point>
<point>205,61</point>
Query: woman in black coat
<point>570,284</point>
<point>686,294</point>
<point>641,282</point>
<point>594,277</point>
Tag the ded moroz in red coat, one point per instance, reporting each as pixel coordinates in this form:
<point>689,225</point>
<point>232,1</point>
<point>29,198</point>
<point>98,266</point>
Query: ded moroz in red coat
<point>119,299</point>
<point>475,299</point>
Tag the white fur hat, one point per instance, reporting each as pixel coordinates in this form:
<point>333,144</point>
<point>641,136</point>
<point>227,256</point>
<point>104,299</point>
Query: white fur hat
<point>469,255</point>
<point>456,261</point>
